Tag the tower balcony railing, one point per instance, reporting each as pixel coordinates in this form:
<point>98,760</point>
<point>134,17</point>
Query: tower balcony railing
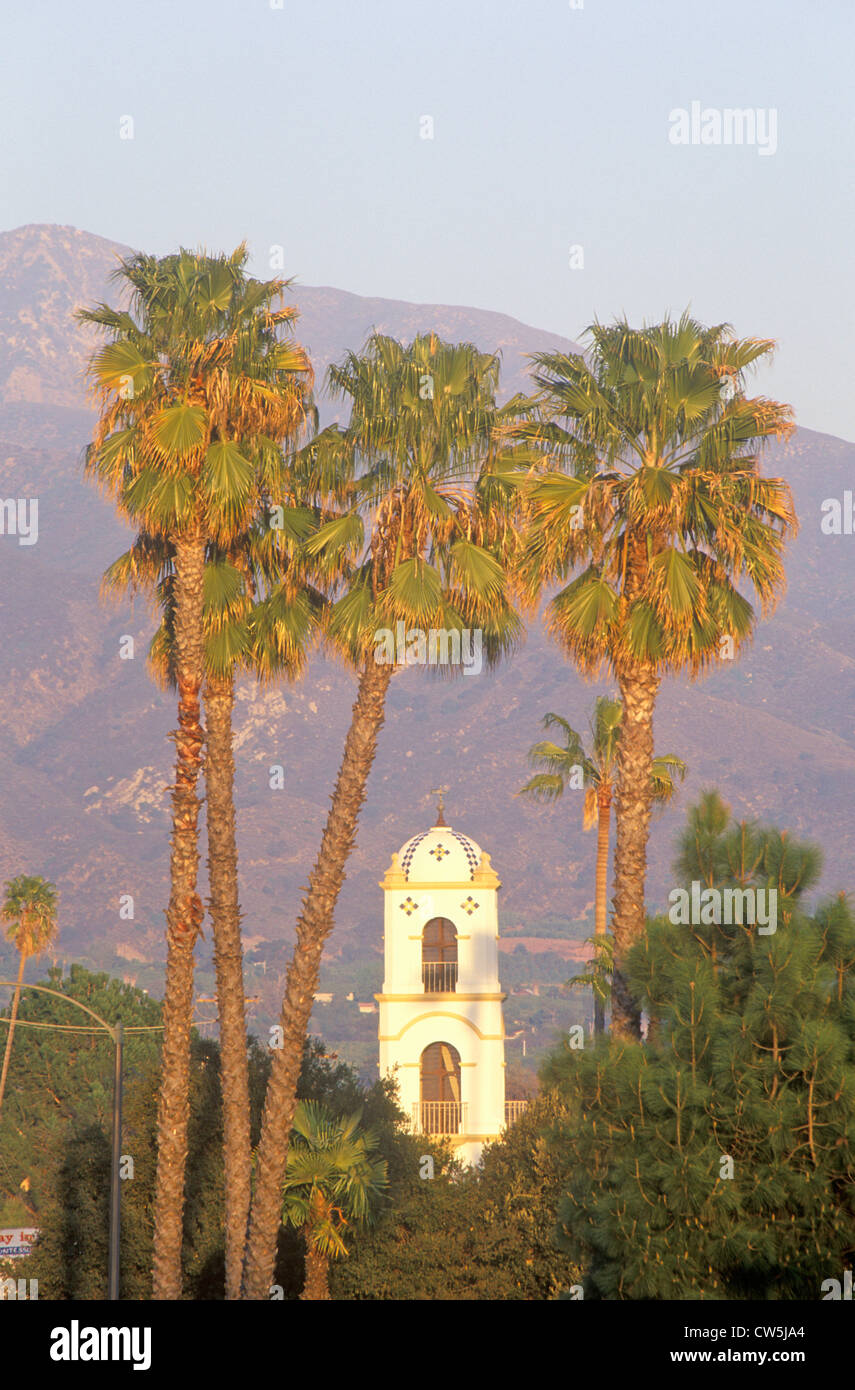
<point>439,977</point>
<point>513,1110</point>
<point>439,1117</point>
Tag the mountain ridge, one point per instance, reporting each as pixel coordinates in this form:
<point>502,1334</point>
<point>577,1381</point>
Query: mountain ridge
<point>81,262</point>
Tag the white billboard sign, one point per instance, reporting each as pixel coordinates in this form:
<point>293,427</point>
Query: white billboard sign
<point>17,1241</point>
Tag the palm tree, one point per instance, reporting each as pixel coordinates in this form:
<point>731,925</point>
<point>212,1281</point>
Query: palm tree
<point>418,515</point>
<point>225,912</point>
<point>239,635</point>
<point>664,507</point>
<point>237,638</point>
<point>333,1180</point>
<point>196,390</point>
<point>570,765</point>
<point>30,908</point>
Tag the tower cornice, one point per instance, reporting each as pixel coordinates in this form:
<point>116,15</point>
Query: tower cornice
<point>394,876</point>
<point>436,885</point>
<point>485,875</point>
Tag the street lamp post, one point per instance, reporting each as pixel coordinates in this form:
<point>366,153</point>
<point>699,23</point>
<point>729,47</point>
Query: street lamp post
<point>117,1034</point>
<point>115,1201</point>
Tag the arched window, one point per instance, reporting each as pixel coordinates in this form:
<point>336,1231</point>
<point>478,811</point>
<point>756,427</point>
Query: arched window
<point>439,956</point>
<point>441,1108</point>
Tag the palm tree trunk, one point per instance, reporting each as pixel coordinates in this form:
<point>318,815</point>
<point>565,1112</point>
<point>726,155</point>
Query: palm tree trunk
<point>317,1273</point>
<point>228,963</point>
<point>183,920</point>
<point>313,928</point>
<point>604,812</point>
<point>14,1014</point>
<point>638,688</point>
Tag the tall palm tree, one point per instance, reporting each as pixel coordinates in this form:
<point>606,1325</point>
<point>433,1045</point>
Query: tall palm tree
<point>421,517</point>
<point>30,908</point>
<point>239,636</point>
<point>663,507</point>
<point>333,1180</point>
<point>597,774</point>
<point>219,696</point>
<point>196,390</point>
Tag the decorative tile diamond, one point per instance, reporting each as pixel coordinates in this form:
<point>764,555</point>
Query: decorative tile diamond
<point>470,905</point>
<point>408,906</point>
<point>439,852</point>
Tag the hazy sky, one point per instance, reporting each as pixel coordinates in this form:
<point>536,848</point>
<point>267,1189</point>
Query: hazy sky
<point>301,125</point>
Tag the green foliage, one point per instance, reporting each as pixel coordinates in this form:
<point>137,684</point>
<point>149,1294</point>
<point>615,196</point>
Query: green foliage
<point>62,1082</point>
<point>466,1233</point>
<point>750,1057</point>
<point>55,1137</point>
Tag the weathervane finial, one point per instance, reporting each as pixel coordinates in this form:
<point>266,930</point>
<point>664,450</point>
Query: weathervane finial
<point>439,792</point>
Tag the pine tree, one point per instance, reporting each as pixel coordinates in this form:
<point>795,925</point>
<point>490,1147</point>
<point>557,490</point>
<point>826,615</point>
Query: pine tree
<point>717,1160</point>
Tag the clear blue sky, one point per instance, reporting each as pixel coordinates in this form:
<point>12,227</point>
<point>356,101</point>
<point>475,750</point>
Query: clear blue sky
<point>300,126</point>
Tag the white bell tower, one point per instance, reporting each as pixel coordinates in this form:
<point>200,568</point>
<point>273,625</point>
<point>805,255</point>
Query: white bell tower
<point>440,1015</point>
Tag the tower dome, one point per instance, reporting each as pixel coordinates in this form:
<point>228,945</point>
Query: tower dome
<point>439,855</point>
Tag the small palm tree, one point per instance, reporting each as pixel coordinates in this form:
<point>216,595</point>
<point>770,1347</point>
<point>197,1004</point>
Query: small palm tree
<point>333,1180</point>
<point>30,908</point>
<point>569,765</point>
